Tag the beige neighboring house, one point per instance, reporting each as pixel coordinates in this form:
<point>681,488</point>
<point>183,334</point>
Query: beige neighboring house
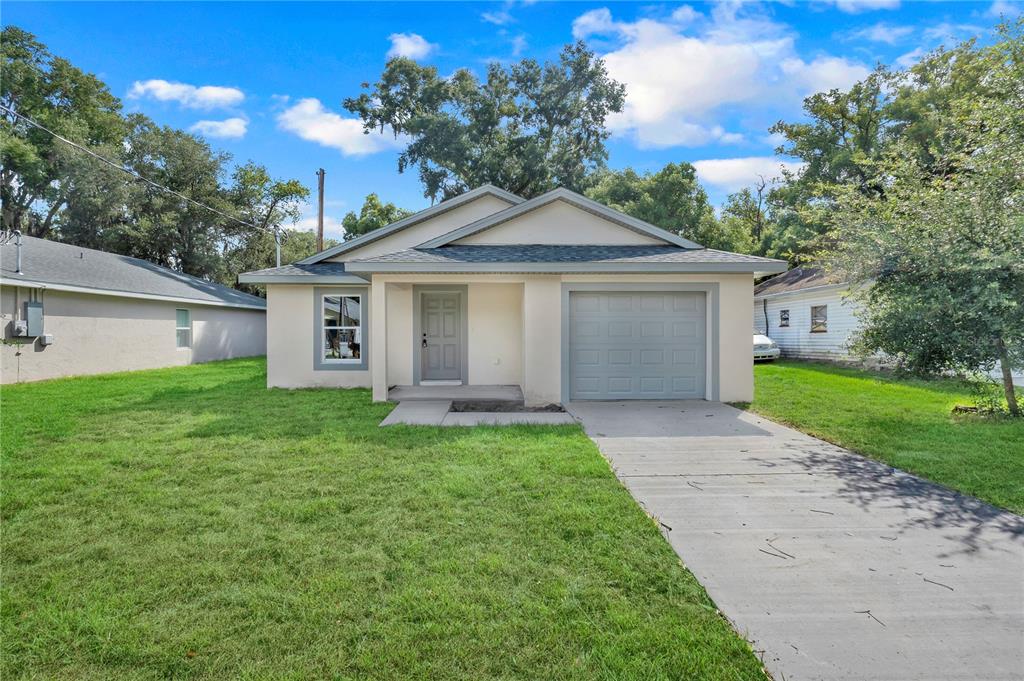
<point>559,295</point>
<point>74,310</point>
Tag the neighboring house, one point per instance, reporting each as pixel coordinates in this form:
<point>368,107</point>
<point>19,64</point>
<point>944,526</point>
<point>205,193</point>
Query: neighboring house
<point>75,310</point>
<point>806,313</point>
<point>559,295</point>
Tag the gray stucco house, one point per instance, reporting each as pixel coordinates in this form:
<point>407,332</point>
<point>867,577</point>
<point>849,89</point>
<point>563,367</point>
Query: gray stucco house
<point>73,310</point>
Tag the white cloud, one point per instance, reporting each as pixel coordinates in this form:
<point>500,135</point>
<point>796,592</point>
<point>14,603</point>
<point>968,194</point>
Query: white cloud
<point>498,18</point>
<point>905,61</point>
<point>230,128</point>
<point>882,33</point>
<point>823,73</point>
<point>191,96</point>
<point>733,174</point>
<point>519,45</point>
<point>308,119</point>
<point>680,77</point>
<point>411,45</point>
<point>951,33</point>
<point>858,6</point>
<point>1005,8</point>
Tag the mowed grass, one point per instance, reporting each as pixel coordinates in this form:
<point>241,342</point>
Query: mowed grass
<point>906,423</point>
<point>190,523</point>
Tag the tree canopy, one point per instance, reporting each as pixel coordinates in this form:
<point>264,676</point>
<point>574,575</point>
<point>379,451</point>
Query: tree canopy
<point>526,127</point>
<point>373,215</point>
<point>52,190</point>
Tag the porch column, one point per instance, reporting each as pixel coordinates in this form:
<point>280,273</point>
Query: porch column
<point>542,340</point>
<point>378,339</point>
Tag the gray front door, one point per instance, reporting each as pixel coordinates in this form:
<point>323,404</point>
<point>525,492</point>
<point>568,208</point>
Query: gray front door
<point>637,345</point>
<point>441,336</point>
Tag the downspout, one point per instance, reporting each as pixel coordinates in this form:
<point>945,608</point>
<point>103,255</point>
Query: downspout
<point>764,303</point>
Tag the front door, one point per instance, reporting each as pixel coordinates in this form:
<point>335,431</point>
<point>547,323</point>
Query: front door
<point>441,336</point>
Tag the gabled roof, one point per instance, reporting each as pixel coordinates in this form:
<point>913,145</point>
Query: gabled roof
<point>414,219</point>
<point>573,199</point>
<point>63,267</point>
<point>797,279</point>
<point>559,258</point>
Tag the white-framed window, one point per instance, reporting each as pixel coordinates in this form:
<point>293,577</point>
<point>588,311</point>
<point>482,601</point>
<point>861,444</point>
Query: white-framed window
<point>342,328</point>
<point>183,328</point>
<point>819,318</point>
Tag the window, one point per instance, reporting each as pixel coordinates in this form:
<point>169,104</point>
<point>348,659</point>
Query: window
<point>342,329</point>
<point>183,328</point>
<point>819,318</point>
<point>783,318</point>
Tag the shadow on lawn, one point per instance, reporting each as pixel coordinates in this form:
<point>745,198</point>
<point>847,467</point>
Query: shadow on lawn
<point>975,524</point>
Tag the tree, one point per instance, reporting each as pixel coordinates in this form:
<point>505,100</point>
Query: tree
<point>937,254</point>
<point>527,128</point>
<point>746,212</point>
<point>38,174</point>
<point>672,199</point>
<point>373,215</point>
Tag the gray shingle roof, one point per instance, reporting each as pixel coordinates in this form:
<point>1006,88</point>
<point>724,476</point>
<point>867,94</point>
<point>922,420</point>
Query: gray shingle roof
<point>796,279</point>
<point>58,264</point>
<point>322,272</point>
<point>537,253</point>
<point>298,269</point>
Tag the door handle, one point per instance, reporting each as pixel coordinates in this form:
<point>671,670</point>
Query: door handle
<point>424,340</point>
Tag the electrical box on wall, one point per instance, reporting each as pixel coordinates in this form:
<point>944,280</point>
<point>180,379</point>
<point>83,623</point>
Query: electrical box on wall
<point>34,318</point>
<point>46,339</point>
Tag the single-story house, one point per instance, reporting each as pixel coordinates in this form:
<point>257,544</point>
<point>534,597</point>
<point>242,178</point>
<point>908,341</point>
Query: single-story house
<point>559,295</point>
<point>806,313</point>
<point>70,310</point>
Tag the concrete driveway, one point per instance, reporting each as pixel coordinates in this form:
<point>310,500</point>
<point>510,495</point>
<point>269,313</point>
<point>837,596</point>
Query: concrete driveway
<point>832,565</point>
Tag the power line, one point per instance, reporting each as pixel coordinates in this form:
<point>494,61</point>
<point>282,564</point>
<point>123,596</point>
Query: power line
<point>131,172</point>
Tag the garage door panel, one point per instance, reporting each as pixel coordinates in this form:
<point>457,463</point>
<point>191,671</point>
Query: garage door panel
<point>648,345</point>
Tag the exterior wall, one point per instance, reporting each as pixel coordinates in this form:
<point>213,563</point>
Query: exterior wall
<point>429,229</point>
<point>96,334</point>
<point>290,342</point>
<point>559,223</point>
<point>796,340</point>
<point>495,334</point>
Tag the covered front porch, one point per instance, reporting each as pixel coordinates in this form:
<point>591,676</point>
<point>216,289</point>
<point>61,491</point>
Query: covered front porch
<point>466,337</point>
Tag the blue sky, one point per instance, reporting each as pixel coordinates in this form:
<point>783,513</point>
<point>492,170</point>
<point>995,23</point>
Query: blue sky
<point>265,81</point>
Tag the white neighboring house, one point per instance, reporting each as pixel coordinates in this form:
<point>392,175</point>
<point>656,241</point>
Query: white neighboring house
<point>806,312</point>
<point>73,311</point>
<point>559,295</point>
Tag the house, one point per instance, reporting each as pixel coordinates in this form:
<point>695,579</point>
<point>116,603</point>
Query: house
<point>558,295</point>
<point>805,312</point>
<point>70,310</point>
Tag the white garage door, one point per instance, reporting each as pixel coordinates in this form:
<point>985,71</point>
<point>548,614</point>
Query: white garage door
<point>644,345</point>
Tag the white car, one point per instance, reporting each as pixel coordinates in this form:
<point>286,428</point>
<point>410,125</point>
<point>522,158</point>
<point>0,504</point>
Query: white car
<point>765,348</point>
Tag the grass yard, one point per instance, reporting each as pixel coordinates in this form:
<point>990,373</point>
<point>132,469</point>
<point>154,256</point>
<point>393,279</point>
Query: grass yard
<point>189,523</point>
<point>905,423</point>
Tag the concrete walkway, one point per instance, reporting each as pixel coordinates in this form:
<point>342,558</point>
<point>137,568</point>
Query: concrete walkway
<point>436,413</point>
<point>835,566</point>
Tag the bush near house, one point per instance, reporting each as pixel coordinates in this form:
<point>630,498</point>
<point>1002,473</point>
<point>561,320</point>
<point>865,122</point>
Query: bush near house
<point>190,523</point>
<point>907,423</point>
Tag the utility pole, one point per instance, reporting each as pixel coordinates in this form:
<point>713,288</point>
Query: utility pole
<point>277,244</point>
<point>320,211</point>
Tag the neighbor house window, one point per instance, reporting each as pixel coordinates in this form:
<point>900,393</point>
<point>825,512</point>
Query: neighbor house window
<point>783,318</point>
<point>342,328</point>
<point>183,328</point>
<point>819,318</point>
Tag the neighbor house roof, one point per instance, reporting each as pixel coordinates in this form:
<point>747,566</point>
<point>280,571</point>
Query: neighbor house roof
<point>559,258</point>
<point>298,273</point>
<point>53,265</point>
<point>572,198</point>
<point>797,279</point>
<point>414,219</point>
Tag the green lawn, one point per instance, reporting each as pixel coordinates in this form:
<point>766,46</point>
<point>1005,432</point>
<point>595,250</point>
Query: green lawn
<point>905,423</point>
<point>189,523</point>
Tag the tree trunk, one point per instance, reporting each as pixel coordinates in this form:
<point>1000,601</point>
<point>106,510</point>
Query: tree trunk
<point>1008,389</point>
